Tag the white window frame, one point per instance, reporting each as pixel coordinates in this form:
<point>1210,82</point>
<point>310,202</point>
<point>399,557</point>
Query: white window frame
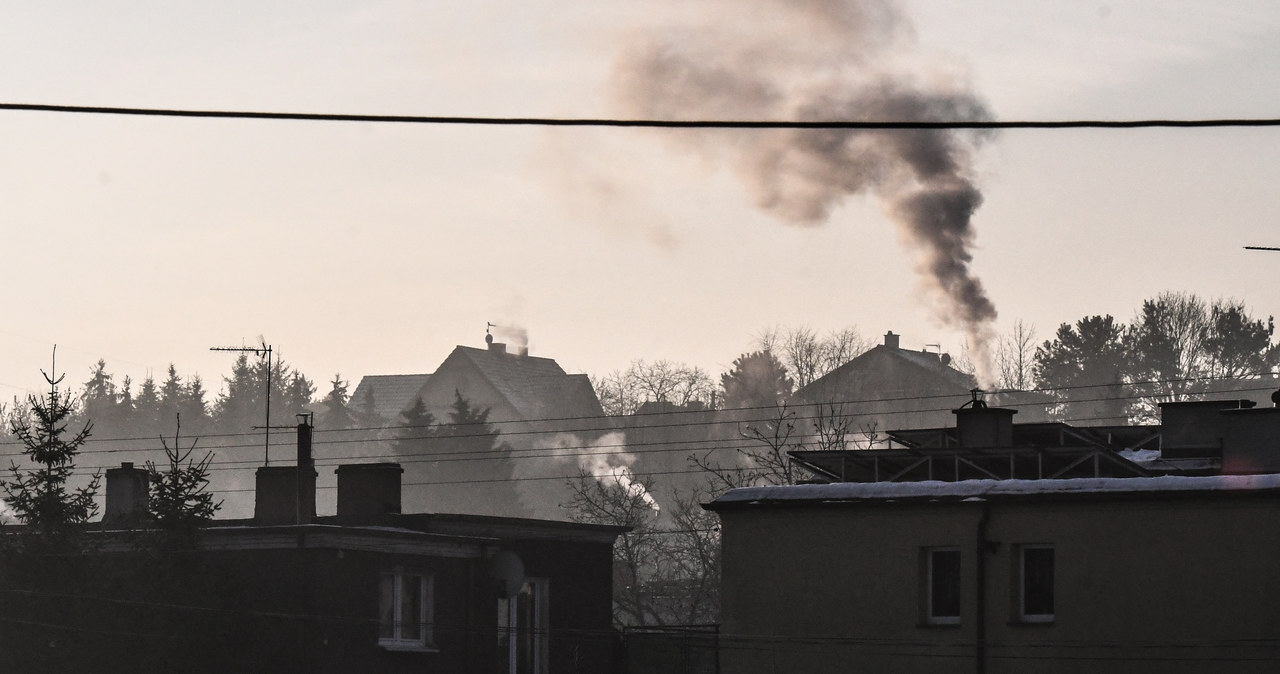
<point>1022,585</point>
<point>425,641</point>
<point>541,627</point>
<point>929,617</point>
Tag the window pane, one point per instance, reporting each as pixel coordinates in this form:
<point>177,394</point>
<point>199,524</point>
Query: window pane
<point>1037,581</point>
<point>525,630</point>
<point>411,608</point>
<point>387,606</point>
<point>504,635</point>
<point>944,584</point>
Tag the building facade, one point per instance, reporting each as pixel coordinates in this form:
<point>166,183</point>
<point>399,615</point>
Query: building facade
<point>1119,560</point>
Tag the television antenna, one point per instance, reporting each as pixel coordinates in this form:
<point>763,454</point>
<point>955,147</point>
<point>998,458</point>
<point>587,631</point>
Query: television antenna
<point>263,350</point>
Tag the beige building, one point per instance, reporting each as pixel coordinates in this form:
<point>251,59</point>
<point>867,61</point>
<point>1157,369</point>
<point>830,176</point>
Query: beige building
<point>1171,571</point>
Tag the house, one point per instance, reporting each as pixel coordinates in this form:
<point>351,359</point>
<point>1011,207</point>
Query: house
<point>999,547</point>
<point>901,387</point>
<point>366,589</point>
<point>534,405</point>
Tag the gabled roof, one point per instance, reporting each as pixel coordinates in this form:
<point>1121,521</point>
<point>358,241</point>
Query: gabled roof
<point>392,393</point>
<point>889,369</point>
<point>538,388</point>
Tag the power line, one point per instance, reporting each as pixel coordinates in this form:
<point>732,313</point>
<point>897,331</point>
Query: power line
<point>865,125</point>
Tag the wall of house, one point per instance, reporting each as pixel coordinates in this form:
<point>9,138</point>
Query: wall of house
<point>1175,584</point>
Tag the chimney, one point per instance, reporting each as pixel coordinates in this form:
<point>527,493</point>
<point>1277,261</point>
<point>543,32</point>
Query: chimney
<point>287,494</point>
<point>979,426</point>
<point>891,340</point>
<point>127,491</point>
<point>366,491</point>
<point>1194,429</point>
<point>497,347</point>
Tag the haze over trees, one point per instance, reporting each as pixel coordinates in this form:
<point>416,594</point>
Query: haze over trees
<point>1177,347</point>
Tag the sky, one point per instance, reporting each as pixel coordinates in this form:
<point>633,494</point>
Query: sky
<point>362,248</point>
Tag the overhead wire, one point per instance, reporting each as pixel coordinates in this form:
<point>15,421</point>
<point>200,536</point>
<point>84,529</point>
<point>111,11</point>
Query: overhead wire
<point>454,120</point>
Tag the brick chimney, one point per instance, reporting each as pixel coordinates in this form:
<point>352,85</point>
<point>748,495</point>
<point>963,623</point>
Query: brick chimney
<point>367,491</point>
<point>287,494</point>
<point>127,491</point>
<point>891,340</point>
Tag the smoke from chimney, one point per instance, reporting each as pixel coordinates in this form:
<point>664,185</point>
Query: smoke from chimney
<point>811,60</point>
<point>513,334</point>
<point>608,464</point>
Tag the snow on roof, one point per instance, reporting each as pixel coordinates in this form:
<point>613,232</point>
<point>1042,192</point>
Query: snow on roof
<point>980,489</point>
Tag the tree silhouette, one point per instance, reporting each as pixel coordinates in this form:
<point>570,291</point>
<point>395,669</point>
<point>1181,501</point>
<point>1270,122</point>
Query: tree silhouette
<point>1085,367</point>
<point>178,500</point>
<point>41,497</point>
<point>757,380</point>
<point>336,414</point>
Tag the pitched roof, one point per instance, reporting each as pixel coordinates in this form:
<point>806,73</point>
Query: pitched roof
<point>538,388</point>
<point>868,372</point>
<point>392,393</point>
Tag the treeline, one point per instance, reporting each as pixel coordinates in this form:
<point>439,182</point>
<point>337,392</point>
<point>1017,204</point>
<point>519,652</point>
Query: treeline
<point>1177,347</point>
<point>150,409</point>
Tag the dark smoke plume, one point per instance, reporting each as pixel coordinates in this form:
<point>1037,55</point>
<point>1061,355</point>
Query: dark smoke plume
<point>813,60</point>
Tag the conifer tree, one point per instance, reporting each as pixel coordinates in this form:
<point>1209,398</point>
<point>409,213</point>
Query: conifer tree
<point>417,430</point>
<point>41,497</point>
<point>147,408</point>
<point>469,432</point>
<point>178,500</point>
<point>336,415</point>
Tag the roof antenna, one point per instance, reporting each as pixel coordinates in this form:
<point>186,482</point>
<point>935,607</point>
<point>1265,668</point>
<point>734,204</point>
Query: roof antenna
<point>488,336</point>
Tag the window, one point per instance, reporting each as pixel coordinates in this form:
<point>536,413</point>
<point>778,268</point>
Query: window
<point>522,629</point>
<point>941,575</point>
<point>405,611</point>
<point>1035,581</point>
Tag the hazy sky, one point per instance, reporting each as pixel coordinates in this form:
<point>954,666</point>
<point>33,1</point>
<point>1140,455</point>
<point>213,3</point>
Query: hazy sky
<point>369,249</point>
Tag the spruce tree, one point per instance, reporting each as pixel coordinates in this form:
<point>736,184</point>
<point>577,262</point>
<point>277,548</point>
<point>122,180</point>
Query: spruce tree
<point>179,501</point>
<point>416,432</point>
<point>336,415</point>
<point>469,433</point>
<point>41,496</point>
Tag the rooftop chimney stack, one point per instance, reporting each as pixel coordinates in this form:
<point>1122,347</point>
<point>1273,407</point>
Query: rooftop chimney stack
<point>128,489</point>
<point>979,426</point>
<point>366,491</point>
<point>891,340</point>
<point>287,494</point>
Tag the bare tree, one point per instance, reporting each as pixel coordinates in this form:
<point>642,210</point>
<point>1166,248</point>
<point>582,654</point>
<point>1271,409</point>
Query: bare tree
<point>802,352</point>
<point>831,427</point>
<point>614,500</point>
<point>1016,358</point>
<point>842,346</point>
<point>763,462</point>
<point>808,356</point>
<point>692,546</point>
<point>662,381</point>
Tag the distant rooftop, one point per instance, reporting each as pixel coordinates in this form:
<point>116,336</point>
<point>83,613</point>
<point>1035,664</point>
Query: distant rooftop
<point>392,393</point>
